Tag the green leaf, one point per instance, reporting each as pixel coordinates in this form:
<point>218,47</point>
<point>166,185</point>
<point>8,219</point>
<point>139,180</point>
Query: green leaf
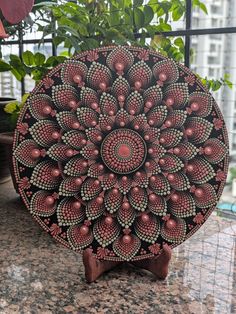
<point>18,69</point>
<point>179,42</point>
<point>228,83</point>
<point>164,27</point>
<point>37,74</point>
<point>203,7</point>
<point>28,58</point>
<point>58,40</point>
<point>215,85</point>
<point>15,59</point>
<point>24,98</point>
<point>17,75</point>
<point>51,62</point>
<point>137,3</point>
<point>138,18</point>
<point>11,107</point>
<point>4,66</point>
<point>148,14</point>
<point>83,30</point>
<point>39,59</point>
<point>91,43</point>
<point>177,13</point>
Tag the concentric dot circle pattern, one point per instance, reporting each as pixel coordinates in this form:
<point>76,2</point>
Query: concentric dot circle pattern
<point>123,151</point>
<point>120,150</point>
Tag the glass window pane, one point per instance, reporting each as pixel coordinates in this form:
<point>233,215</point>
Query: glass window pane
<point>221,13</point>
<point>9,86</point>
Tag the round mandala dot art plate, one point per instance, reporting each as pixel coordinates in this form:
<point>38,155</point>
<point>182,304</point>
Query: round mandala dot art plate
<point>120,149</point>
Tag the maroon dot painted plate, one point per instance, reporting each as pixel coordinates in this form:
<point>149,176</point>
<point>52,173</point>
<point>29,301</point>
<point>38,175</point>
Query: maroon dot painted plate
<point>120,149</point>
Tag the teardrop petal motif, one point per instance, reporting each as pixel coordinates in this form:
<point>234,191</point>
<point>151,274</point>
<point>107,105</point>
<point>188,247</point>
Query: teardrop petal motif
<point>97,75</point>
<point>126,215</point>
<point>94,135</point>
<point>120,60</point>
<point>138,198</point>
<point>28,153</point>
<point>105,233</point>
<point>65,97</point>
<point>87,117</point>
<point>70,186</point>
<point>159,185</point>
<point>139,123</point>
<point>157,116</point>
<point>75,139</point>
<point>147,230</point>
<point>153,96</point>
<point>90,189</point>
<point>205,196</point>
<point>199,171</point>
<point>179,181</point>
<point>174,232</point>
<point>120,89</point>
<point>170,137</point>
<point>108,104</point>
<point>178,93</point>
<point>198,129</point>
<point>181,204</point>
<point>70,211</point>
<point>157,204</point>
<point>90,152</point>
<point>76,166</point>
<point>141,179</point>
<point>214,150</point>
<point>95,170</point>
<point>156,151</point>
<point>105,123</point>
<point>126,251</point>
<point>170,163</point>
<point>60,152</point>
<point>125,184</point>
<point>134,103</point>
<point>152,167</point>
<point>39,205</point>
<point>41,106</point>
<point>151,134</point>
<point>73,72</point>
<point>166,71</point>
<point>122,118</point>
<point>176,119</point>
<point>108,181</point>
<point>42,176</point>
<point>43,132</point>
<point>89,97</point>
<point>113,200</point>
<point>77,239</point>
<point>185,151</point>
<point>201,104</point>
<point>67,120</point>
<point>95,209</point>
<point>140,72</point>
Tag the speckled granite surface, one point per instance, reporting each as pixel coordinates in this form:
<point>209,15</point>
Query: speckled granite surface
<point>38,275</point>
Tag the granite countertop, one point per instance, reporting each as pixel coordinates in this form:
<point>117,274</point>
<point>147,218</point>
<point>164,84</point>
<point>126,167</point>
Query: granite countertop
<point>38,275</point>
